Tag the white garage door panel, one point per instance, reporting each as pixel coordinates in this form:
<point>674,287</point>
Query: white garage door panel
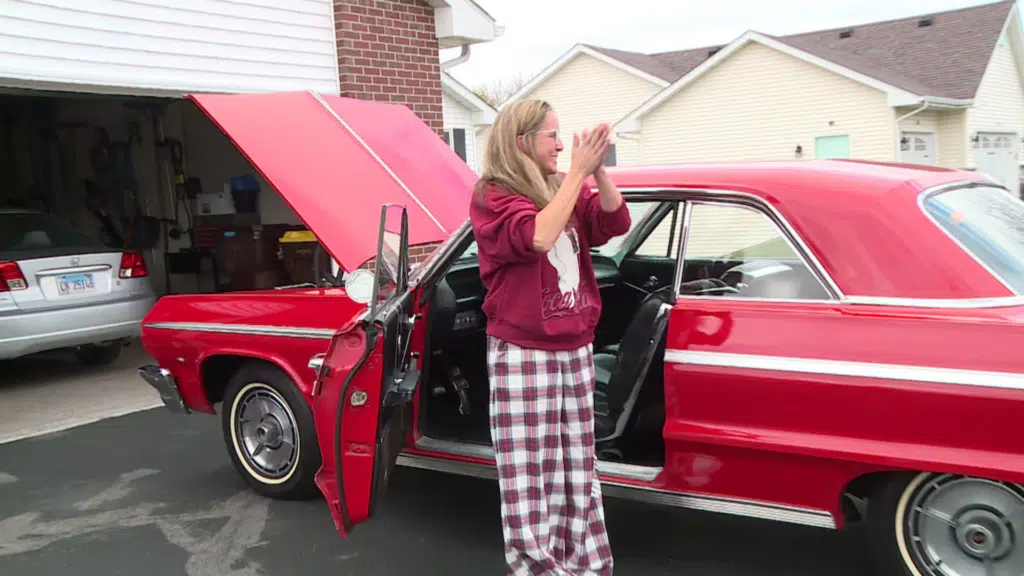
<point>920,148</point>
<point>190,45</point>
<point>997,157</point>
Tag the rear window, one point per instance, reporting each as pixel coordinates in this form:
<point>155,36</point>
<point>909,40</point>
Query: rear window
<point>989,223</point>
<point>35,235</point>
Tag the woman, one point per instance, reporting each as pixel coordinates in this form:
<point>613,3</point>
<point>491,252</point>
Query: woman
<point>534,229</point>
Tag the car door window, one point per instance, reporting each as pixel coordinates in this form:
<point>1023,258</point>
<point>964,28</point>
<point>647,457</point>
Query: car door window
<point>663,241</point>
<point>638,210</point>
<point>744,248</point>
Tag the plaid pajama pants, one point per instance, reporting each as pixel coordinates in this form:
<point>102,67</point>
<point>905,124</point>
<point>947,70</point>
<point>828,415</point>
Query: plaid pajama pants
<point>542,428</point>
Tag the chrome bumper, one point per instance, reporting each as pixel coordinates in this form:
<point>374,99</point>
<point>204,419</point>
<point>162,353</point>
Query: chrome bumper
<point>161,379</point>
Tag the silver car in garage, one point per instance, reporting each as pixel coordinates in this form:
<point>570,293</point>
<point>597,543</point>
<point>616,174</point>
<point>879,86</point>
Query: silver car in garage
<point>61,289</point>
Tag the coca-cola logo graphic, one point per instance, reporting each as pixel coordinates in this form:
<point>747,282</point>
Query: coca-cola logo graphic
<point>565,259</point>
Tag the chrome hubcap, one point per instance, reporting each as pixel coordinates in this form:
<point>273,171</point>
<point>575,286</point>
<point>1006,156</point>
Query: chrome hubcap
<point>267,433</point>
<point>958,526</point>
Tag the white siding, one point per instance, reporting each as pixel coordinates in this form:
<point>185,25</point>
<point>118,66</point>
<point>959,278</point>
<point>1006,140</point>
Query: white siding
<point>161,47</point>
<point>480,143</point>
<point>759,104</point>
<point>586,92</point>
<point>457,115</point>
<point>999,103</point>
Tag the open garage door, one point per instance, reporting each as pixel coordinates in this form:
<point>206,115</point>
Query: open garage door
<point>152,175</point>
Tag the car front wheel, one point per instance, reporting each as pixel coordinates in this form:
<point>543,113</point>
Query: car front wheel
<point>940,524</point>
<point>269,432</point>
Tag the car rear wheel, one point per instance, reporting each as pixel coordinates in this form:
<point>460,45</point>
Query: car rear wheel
<point>940,524</point>
<point>98,354</point>
<point>269,432</point>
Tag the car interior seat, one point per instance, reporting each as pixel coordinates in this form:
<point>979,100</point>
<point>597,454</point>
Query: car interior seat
<point>620,378</point>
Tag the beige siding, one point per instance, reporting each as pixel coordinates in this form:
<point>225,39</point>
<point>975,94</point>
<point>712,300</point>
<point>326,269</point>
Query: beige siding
<point>953,139</point>
<point>926,121</point>
<point>587,91</point>
<point>999,104</point>
<point>759,104</point>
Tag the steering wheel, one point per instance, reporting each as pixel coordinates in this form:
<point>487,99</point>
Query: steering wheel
<point>705,286</point>
<point>717,290</point>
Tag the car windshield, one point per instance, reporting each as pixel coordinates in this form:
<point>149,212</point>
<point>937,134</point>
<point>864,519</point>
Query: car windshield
<point>989,223</point>
<point>36,235</point>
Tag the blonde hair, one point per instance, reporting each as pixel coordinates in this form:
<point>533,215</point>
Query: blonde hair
<point>510,167</point>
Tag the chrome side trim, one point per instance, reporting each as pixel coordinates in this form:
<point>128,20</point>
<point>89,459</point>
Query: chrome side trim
<point>246,329</point>
<point>935,190</point>
<point>720,505</point>
<point>627,471</point>
<point>947,303</point>
<point>981,378</point>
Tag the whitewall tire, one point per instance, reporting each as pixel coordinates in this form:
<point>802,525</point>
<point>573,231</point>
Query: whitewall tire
<point>269,433</point>
<point>927,524</point>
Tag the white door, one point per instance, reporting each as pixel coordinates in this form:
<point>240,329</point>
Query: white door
<point>997,157</point>
<point>918,148</point>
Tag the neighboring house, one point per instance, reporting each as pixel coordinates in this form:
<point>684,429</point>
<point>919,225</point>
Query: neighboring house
<point>941,89</point>
<point>464,114</point>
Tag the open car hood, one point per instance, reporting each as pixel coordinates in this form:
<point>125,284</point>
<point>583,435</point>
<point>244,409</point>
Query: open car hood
<point>336,161</point>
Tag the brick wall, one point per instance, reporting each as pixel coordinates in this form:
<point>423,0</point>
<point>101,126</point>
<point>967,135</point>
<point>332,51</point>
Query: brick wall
<point>417,253</point>
<point>387,52</point>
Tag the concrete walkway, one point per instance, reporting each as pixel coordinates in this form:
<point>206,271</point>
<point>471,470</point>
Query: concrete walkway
<point>50,392</point>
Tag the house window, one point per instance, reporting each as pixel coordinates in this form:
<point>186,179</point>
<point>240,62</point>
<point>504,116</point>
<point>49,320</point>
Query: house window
<point>832,147</point>
<point>456,138</point>
<point>610,157</point>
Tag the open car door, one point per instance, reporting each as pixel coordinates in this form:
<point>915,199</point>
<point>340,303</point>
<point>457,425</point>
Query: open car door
<point>362,398</point>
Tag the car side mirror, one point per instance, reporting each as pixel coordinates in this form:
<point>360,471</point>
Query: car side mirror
<point>359,285</point>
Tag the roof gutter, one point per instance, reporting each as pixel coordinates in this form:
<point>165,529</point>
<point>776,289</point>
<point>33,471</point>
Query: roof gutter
<point>937,102</point>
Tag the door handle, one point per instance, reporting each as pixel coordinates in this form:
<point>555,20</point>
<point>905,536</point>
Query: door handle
<point>651,283</point>
<point>316,362</point>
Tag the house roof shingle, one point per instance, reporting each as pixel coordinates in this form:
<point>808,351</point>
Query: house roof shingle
<point>946,59</point>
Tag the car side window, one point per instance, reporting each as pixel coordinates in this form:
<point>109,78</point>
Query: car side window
<point>663,241</point>
<point>745,252</point>
<point>638,209</point>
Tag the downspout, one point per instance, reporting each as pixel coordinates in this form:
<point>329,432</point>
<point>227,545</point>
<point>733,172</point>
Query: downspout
<point>462,57</point>
<point>899,131</point>
<point>635,137</point>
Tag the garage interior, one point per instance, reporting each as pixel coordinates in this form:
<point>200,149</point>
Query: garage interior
<point>152,175</point>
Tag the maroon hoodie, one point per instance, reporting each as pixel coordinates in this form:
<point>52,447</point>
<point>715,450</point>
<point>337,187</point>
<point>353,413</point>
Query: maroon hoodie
<point>547,300</point>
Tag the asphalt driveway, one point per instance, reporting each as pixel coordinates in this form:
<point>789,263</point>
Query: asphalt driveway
<point>153,493</point>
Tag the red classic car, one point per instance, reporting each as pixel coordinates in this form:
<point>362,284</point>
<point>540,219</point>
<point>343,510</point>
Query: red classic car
<point>817,342</point>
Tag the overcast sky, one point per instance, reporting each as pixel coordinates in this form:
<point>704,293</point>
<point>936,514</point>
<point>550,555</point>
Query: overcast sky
<point>538,31</point>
